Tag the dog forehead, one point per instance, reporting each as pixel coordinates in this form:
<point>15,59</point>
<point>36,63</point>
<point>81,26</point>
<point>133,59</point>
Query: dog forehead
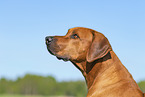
<point>80,31</point>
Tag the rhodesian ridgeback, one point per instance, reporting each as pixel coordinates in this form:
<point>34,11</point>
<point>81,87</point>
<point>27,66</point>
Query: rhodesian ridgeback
<point>91,52</point>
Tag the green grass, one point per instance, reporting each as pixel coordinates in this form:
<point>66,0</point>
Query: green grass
<point>30,96</point>
<point>20,96</point>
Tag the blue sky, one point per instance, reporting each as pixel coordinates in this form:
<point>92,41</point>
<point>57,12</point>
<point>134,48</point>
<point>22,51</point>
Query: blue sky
<point>25,23</point>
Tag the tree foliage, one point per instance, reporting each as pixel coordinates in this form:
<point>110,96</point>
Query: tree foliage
<point>142,85</point>
<point>40,85</point>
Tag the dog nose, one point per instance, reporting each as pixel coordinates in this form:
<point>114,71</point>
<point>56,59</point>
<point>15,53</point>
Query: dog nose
<point>49,39</point>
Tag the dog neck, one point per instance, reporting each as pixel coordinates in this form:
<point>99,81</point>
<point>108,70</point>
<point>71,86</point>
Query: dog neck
<point>103,72</point>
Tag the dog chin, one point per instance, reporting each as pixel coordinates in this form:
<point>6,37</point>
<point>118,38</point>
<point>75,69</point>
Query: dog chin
<point>63,58</point>
<point>59,57</point>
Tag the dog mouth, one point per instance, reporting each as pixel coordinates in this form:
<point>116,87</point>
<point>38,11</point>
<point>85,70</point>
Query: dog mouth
<point>53,51</point>
<point>50,52</point>
<point>64,59</point>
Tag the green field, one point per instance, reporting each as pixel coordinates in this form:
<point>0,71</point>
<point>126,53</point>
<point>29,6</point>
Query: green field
<point>30,96</point>
<point>21,96</point>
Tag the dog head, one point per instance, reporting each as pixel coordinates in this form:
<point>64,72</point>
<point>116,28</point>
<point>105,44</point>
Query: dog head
<point>78,45</point>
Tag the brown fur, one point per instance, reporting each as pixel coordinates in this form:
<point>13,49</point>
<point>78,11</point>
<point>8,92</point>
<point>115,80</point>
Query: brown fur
<point>91,52</point>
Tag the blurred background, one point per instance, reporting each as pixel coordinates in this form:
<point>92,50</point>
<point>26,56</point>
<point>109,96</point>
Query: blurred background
<point>26,67</point>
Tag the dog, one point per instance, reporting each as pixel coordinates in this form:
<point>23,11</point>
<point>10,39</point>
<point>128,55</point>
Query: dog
<point>91,52</point>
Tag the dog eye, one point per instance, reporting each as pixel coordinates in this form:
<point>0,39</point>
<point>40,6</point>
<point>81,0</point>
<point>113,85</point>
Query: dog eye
<point>74,36</point>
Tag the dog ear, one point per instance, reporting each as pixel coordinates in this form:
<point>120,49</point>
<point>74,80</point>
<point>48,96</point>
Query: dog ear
<point>99,48</point>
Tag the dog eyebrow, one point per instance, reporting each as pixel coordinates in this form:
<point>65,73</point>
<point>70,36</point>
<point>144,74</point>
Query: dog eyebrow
<point>74,32</point>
